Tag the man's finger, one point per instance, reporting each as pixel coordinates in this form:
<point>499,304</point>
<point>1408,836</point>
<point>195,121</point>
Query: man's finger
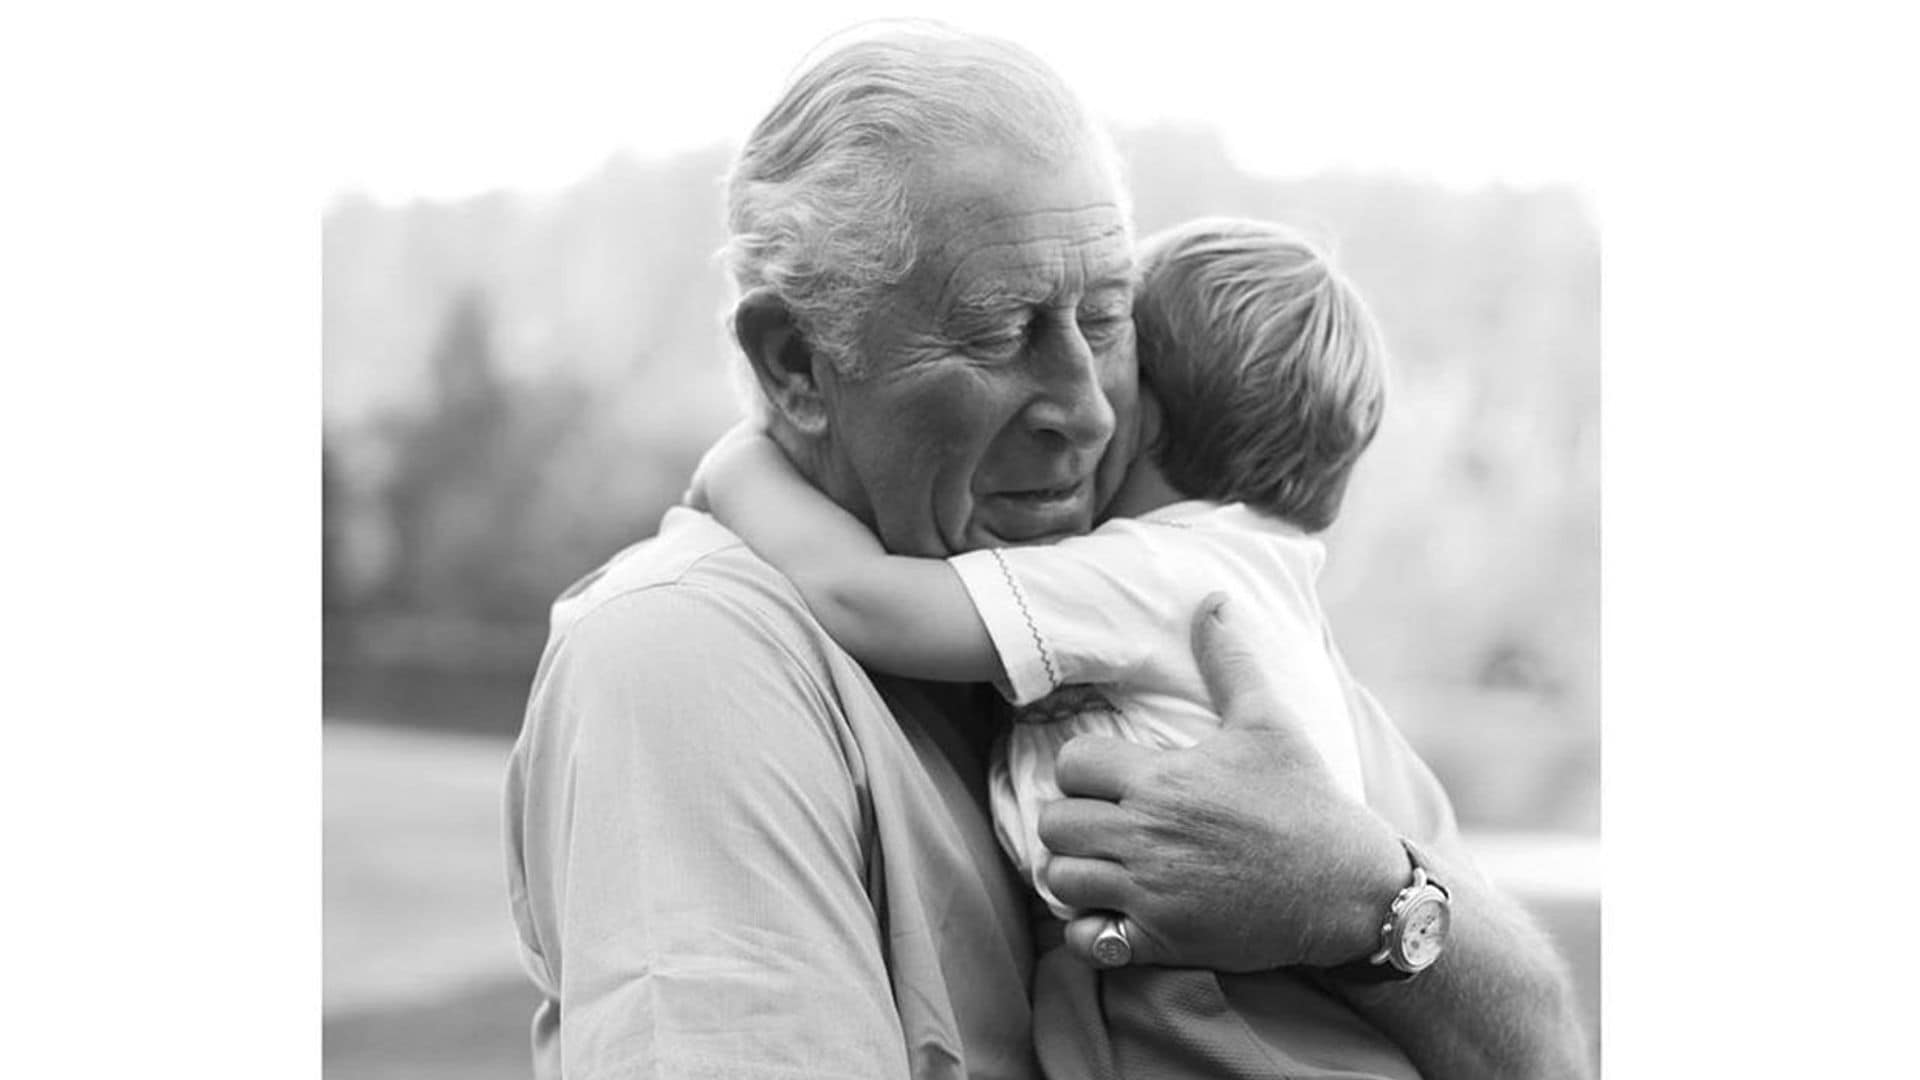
<point>1087,884</point>
<point>1083,930</point>
<point>1093,828</point>
<point>1100,766</point>
<point>1237,677</point>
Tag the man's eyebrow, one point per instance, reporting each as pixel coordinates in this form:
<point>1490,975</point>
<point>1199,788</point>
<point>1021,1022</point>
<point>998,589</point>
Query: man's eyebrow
<point>998,295</point>
<point>1113,290</point>
<point>1120,275</point>
<point>991,298</point>
<point>1107,300</point>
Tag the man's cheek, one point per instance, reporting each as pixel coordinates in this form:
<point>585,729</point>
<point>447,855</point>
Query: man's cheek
<point>915,513</point>
<point>938,434</point>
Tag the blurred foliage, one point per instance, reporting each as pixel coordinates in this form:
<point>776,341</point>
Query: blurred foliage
<point>517,387</point>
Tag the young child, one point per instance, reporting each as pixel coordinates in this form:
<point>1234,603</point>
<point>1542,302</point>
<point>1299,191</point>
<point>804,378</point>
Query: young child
<point>1262,382</point>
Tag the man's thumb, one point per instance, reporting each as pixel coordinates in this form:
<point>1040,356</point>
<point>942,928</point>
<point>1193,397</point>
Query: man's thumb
<point>1238,681</point>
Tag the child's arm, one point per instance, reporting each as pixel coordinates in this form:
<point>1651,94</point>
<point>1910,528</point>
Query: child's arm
<point>900,615</point>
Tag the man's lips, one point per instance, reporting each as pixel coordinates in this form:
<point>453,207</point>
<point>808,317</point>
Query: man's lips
<point>1041,497</point>
<point>1020,515</point>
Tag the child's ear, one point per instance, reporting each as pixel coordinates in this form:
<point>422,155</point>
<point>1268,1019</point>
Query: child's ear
<point>1152,420</point>
<point>781,358</point>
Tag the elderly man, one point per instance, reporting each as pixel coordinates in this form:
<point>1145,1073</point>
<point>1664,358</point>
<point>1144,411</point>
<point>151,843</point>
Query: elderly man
<point>736,854</point>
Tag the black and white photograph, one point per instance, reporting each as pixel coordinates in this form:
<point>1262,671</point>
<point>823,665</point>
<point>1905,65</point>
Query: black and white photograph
<point>969,544</point>
<point>958,541</point>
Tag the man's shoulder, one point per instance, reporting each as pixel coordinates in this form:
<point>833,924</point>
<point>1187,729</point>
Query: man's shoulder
<point>674,624</point>
<point>693,564</point>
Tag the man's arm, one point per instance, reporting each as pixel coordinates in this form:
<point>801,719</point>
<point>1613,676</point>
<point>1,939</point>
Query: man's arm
<point>1406,793</point>
<point>1241,854</point>
<point>1499,1003</point>
<point>694,852</point>
<point>901,615</point>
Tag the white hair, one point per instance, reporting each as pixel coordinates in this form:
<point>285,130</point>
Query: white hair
<point>819,205</point>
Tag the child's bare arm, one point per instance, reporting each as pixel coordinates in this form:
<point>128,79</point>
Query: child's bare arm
<point>900,615</point>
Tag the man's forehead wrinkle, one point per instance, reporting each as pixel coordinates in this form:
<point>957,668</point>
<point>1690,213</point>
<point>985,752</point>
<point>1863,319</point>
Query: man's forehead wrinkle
<point>964,225</point>
<point>1035,270</point>
<point>978,213</point>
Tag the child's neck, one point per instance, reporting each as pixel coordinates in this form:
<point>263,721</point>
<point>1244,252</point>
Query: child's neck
<point>1144,490</point>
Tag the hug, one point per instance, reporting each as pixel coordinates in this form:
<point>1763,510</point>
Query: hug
<point>977,717</point>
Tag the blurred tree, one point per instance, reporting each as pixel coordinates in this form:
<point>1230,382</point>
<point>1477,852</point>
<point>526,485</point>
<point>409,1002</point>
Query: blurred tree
<point>334,625</point>
<point>442,457</point>
<point>465,385</point>
<point>465,473</point>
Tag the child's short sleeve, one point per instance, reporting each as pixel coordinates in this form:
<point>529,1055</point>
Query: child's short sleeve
<point>1087,609</point>
<point>1003,606</point>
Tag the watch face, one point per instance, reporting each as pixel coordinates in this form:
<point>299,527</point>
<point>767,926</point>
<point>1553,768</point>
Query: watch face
<point>1425,932</point>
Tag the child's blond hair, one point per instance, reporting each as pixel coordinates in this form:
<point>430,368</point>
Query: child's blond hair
<point>1268,366</point>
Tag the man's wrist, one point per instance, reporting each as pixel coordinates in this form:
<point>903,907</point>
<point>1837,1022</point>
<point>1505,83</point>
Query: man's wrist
<point>1410,930</point>
<point>1359,927</point>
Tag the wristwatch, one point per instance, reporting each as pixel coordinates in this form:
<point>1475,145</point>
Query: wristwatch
<point>1412,935</point>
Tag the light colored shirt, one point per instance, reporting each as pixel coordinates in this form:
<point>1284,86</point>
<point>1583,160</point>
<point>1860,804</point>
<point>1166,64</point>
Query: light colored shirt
<point>732,854</point>
<point>1115,607</point>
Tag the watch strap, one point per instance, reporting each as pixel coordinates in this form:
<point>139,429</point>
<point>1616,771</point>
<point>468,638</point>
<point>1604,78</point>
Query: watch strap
<point>1374,967</point>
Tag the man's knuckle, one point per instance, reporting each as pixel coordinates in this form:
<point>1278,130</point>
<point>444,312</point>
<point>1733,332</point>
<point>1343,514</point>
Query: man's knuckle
<point>1160,774</point>
<point>1171,783</point>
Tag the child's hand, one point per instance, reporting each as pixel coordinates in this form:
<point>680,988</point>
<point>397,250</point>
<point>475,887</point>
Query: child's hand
<point>739,434</point>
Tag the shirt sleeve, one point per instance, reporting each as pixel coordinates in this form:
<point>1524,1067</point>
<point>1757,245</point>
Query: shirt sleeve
<point>1093,608</point>
<point>1400,787</point>
<point>696,849</point>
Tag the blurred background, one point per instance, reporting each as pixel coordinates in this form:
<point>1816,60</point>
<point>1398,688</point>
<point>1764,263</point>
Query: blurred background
<point>523,358</point>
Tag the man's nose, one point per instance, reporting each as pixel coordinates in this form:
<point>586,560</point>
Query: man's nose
<point>1072,403</point>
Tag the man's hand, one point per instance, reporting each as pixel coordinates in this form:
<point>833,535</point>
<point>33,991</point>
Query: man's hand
<point>1240,854</point>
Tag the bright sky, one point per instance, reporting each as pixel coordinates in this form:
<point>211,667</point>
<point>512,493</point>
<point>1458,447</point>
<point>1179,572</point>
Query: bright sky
<point>446,100</point>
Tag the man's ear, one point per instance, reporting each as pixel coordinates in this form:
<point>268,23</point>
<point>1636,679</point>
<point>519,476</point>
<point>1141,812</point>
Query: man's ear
<point>781,358</point>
